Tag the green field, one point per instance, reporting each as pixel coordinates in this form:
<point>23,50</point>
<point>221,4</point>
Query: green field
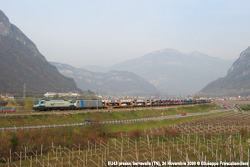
<point>155,124</point>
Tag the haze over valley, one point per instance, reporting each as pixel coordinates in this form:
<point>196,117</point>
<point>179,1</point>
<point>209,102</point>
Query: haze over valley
<point>145,82</point>
<point>114,48</point>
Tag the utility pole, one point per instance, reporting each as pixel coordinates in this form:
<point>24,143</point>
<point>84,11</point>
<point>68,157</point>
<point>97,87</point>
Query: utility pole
<point>24,89</point>
<point>97,99</point>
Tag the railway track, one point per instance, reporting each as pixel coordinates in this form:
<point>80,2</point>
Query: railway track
<point>61,112</point>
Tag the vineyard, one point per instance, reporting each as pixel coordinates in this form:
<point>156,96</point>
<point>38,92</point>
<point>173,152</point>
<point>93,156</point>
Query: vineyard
<point>222,138</point>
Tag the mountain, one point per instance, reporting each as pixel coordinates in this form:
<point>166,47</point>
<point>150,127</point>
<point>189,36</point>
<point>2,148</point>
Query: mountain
<point>110,83</point>
<point>237,80</point>
<point>21,63</point>
<point>175,73</point>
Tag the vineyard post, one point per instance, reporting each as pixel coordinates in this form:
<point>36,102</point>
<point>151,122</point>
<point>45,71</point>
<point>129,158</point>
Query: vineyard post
<point>217,143</point>
<point>86,157</point>
<point>240,150</point>
<point>102,160</point>
<point>83,159</point>
<point>189,147</point>
<point>217,155</point>
<point>69,158</point>
<point>60,150</point>
<point>56,154</point>
<point>189,139</point>
<point>168,150</point>
<point>248,156</point>
<point>186,155</point>
<point>10,155</point>
<point>233,142</point>
<point>95,147</point>
<point>31,161</point>
<point>121,150</point>
<point>153,154</point>
<point>230,155</point>
<point>91,153</point>
<point>148,142</point>
<point>41,150</point>
<point>204,137</point>
<point>48,158</point>
<point>212,146</point>
<point>199,150</point>
<point>170,156</point>
<point>105,154</point>
<point>241,153</point>
<point>207,146</point>
<point>108,146</point>
<point>162,144</point>
<point>194,148</point>
<point>79,151</point>
<point>20,159</point>
<point>25,150</point>
<point>36,156</point>
<point>181,150</point>
<point>196,139</point>
<point>52,147</point>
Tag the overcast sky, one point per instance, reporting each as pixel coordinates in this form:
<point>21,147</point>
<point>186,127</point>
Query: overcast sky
<point>105,32</point>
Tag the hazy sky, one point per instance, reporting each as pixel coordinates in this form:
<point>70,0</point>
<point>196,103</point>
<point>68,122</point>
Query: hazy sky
<point>105,32</point>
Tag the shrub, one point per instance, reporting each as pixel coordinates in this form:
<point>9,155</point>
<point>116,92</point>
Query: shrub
<point>3,102</point>
<point>244,132</point>
<point>171,132</point>
<point>135,134</point>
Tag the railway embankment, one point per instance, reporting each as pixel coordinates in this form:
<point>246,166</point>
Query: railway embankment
<point>108,116</point>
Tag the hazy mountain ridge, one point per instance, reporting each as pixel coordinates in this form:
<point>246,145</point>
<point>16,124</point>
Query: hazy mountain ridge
<point>174,72</point>
<point>237,80</point>
<point>110,83</point>
<point>21,62</point>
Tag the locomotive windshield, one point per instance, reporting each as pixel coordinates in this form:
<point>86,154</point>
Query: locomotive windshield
<point>36,102</point>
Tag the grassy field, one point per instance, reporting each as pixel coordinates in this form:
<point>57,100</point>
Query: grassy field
<point>156,124</point>
<point>177,147</point>
<point>70,137</point>
<point>45,119</point>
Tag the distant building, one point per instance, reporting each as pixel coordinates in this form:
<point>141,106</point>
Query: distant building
<point>7,97</point>
<point>52,94</point>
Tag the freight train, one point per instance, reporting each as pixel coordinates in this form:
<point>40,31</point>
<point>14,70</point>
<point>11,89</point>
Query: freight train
<point>47,105</point>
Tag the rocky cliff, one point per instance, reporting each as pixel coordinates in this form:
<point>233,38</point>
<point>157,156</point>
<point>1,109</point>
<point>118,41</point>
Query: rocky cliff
<point>21,63</point>
<point>237,80</point>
